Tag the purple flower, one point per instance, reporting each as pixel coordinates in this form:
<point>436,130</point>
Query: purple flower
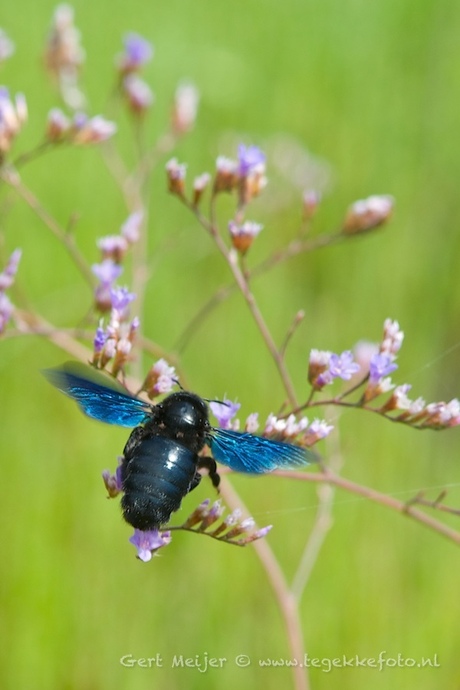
<point>100,339</point>
<point>343,366</point>
<point>146,542</point>
<point>138,51</point>
<point>224,412</point>
<point>249,159</point>
<point>113,482</point>
<point>380,366</point>
<point>107,271</point>
<point>121,298</point>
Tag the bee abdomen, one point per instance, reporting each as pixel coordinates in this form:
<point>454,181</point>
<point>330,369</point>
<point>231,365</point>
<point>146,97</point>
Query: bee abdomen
<point>155,479</point>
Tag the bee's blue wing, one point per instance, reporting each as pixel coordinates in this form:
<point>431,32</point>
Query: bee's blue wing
<point>245,452</point>
<point>97,396</point>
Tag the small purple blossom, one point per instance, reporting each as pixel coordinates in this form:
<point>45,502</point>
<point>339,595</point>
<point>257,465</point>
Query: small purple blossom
<point>100,339</point>
<point>121,298</point>
<point>224,412</point>
<point>113,482</point>
<point>250,159</point>
<point>343,366</point>
<point>138,51</point>
<point>324,379</point>
<point>107,271</point>
<point>146,542</point>
<point>380,366</point>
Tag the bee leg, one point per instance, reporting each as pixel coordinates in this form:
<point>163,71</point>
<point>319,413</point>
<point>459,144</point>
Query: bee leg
<point>209,464</point>
<point>133,441</point>
<point>195,481</point>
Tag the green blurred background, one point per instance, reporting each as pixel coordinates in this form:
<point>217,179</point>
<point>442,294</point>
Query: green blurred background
<point>371,88</point>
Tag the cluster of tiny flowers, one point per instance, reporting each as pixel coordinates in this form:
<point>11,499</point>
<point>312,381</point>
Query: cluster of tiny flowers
<point>325,366</point>
<point>137,93</point>
<point>376,363</point>
<point>13,115</point>
<point>231,529</point>
<point>113,342</point>
<point>246,175</point>
<point>113,249</point>
<point>298,432</point>
<point>80,129</point>
<point>160,379</point>
<point>6,281</point>
<point>367,214</point>
<point>242,235</point>
<point>436,415</point>
<point>382,363</point>
<point>64,55</point>
<point>224,412</point>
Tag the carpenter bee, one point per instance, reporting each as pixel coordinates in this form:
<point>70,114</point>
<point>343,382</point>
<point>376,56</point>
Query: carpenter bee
<point>161,459</point>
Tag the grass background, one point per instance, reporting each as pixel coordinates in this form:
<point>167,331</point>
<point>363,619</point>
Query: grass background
<point>371,88</point>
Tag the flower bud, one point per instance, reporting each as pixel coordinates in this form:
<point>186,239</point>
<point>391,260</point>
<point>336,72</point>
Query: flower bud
<point>185,108</point>
<point>367,214</point>
<point>243,236</point>
<point>176,176</point>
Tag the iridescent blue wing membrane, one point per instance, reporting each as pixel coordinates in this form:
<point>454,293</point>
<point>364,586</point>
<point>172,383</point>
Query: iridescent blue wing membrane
<point>244,452</point>
<point>97,396</point>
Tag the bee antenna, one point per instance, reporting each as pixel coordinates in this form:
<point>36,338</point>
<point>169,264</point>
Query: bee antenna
<point>221,402</point>
<point>178,383</point>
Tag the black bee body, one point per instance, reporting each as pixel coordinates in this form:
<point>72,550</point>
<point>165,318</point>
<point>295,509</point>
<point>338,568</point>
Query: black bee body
<point>160,460</point>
